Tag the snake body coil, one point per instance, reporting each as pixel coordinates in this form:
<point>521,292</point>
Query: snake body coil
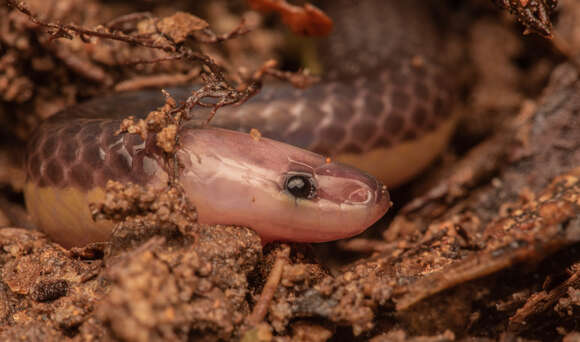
<point>385,108</point>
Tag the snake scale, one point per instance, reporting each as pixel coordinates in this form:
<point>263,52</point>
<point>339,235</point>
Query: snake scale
<point>384,107</point>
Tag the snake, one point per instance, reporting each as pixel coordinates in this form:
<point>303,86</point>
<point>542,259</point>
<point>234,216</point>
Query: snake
<point>320,171</point>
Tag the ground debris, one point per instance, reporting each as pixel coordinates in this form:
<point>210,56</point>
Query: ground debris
<point>147,205</point>
<point>533,14</point>
<point>142,213</point>
<point>44,294</point>
<point>443,269</point>
<point>161,123</point>
<point>171,293</point>
<point>161,290</point>
<point>489,254</point>
<point>530,232</point>
<point>128,52</point>
<point>180,25</point>
<point>401,336</point>
<point>566,294</point>
<point>261,306</point>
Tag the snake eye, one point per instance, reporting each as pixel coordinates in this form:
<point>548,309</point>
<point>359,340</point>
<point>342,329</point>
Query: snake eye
<point>300,185</point>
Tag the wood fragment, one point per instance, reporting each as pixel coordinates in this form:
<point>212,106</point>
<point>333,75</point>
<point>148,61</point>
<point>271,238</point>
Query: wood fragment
<point>261,308</point>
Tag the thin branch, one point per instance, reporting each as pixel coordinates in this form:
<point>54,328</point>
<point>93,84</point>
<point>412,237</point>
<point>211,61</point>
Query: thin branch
<point>67,30</point>
<point>116,23</point>
<point>212,38</point>
<point>153,61</point>
<point>261,308</point>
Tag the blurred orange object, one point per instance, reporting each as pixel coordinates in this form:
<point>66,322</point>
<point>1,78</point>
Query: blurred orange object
<point>308,20</point>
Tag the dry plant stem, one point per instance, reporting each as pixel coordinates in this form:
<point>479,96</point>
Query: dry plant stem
<point>211,37</point>
<point>118,22</point>
<point>298,80</point>
<point>178,51</point>
<point>66,30</point>
<point>82,66</point>
<point>216,87</point>
<point>261,308</point>
<point>156,81</point>
<point>361,245</point>
<point>543,300</point>
<point>152,61</point>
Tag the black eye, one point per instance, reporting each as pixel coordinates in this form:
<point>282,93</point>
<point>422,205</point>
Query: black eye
<point>300,186</point>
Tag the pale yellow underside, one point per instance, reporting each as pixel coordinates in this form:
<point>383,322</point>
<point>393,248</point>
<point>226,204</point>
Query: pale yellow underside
<point>64,215</point>
<point>398,164</point>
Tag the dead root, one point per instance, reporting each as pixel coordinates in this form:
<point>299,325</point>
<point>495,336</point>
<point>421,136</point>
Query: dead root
<point>261,307</point>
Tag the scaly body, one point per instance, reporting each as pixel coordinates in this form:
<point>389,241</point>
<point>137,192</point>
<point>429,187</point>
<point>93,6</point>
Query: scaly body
<point>385,108</point>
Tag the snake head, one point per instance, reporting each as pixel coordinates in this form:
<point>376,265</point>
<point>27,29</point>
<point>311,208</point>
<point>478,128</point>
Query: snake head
<point>282,192</point>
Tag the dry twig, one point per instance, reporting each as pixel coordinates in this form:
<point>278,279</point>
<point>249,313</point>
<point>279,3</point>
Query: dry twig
<point>170,35</point>
<point>261,308</point>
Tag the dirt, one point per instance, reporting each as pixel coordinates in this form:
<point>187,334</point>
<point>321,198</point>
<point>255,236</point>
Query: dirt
<point>484,246</point>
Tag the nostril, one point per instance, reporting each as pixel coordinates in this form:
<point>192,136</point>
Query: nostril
<point>360,195</point>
